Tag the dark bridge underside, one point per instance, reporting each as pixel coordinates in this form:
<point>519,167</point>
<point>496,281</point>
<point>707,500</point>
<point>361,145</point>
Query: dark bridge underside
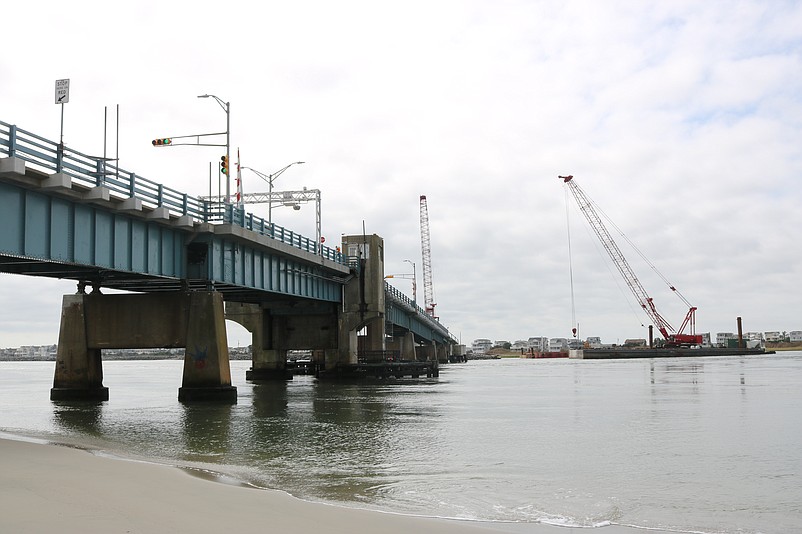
<point>127,281</point>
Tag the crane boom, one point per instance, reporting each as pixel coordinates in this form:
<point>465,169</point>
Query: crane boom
<point>621,263</point>
<point>426,254</point>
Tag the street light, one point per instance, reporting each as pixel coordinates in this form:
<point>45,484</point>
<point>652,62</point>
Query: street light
<point>414,282</point>
<point>227,108</point>
<point>269,179</point>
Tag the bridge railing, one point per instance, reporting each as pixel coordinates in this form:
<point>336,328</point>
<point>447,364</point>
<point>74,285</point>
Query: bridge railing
<point>236,215</point>
<point>395,295</point>
<point>92,171</point>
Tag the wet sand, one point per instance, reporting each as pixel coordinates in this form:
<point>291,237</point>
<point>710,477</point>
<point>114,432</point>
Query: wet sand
<point>50,488</point>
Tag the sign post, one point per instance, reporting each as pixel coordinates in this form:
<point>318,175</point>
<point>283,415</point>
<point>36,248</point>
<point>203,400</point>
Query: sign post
<point>62,97</point>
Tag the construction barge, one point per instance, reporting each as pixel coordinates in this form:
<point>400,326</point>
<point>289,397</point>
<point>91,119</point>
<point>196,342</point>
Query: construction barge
<point>381,364</point>
<point>615,353</point>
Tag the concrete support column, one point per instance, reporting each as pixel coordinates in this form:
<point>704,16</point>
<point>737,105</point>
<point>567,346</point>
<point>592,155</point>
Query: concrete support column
<point>374,340</point>
<point>405,345</point>
<point>427,352</point>
<point>442,352</point>
<point>348,349</point>
<point>207,372</point>
<point>268,364</point>
<point>79,370</point>
<point>321,358</point>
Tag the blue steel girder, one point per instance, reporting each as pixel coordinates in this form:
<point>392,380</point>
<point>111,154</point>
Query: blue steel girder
<point>46,234</point>
<point>239,262</point>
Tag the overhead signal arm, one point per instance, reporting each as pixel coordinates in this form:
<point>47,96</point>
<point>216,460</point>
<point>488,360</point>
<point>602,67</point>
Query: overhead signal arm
<point>171,141</point>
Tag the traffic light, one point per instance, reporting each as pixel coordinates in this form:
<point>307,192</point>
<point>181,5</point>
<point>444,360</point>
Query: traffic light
<point>162,142</point>
<point>224,165</point>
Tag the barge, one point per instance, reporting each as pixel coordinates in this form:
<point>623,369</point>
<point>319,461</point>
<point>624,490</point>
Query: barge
<point>672,352</point>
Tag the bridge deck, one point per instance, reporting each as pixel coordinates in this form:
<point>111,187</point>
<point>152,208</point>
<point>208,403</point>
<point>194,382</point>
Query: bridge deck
<point>69,215</point>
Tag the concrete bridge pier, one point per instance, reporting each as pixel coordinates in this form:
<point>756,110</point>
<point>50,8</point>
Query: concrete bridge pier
<point>405,345</point>
<point>90,323</point>
<point>427,353</point>
<point>266,363</point>
<point>207,370</point>
<point>443,351</point>
<point>363,302</point>
<point>79,370</point>
<point>374,338</point>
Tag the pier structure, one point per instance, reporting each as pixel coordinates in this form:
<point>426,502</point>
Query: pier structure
<point>186,265</point>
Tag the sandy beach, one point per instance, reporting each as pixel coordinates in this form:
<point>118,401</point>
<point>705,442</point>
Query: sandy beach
<point>51,488</point>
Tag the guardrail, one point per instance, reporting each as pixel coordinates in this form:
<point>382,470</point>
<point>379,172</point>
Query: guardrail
<point>394,294</point>
<point>92,171</point>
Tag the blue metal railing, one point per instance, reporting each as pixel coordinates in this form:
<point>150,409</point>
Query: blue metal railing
<point>90,171</point>
<point>399,297</point>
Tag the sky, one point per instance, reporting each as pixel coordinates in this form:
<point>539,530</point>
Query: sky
<point>681,120</point>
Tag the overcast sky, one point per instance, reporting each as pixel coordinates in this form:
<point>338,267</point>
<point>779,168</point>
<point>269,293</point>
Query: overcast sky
<point>682,120</point>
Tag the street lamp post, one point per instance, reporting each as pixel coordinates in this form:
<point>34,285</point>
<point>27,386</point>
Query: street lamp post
<point>414,283</point>
<point>227,108</point>
<point>269,179</point>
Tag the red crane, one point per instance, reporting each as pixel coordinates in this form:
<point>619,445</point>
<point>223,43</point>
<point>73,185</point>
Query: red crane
<point>646,302</point>
<point>426,253</point>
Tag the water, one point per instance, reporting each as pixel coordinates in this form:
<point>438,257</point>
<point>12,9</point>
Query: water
<point>695,445</point>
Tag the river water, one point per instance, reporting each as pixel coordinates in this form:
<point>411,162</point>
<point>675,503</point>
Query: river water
<point>709,445</point>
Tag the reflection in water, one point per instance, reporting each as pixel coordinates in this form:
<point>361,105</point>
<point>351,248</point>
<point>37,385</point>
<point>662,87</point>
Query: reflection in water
<point>79,417</point>
<point>269,399</point>
<point>320,438</point>
<point>207,431</point>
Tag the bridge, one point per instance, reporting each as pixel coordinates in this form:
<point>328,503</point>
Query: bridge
<point>183,265</point>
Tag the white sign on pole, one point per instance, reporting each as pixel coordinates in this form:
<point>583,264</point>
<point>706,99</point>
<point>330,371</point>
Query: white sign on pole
<point>62,91</point>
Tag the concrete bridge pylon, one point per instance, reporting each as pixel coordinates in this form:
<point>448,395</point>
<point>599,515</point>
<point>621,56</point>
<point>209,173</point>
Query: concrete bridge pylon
<point>193,320</point>
<point>363,300</point>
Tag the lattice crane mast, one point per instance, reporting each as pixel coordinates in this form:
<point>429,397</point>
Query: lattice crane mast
<point>646,302</point>
<point>426,256</point>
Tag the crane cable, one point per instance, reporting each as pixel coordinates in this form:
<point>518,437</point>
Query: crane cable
<point>642,255</point>
<point>615,276</point>
<point>570,264</point>
<point>604,259</point>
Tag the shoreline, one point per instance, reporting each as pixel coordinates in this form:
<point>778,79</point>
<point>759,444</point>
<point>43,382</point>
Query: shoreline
<point>45,486</point>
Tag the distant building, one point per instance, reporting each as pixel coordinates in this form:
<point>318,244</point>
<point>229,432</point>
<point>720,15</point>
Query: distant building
<point>594,342</point>
<point>540,344</point>
<point>481,345</point>
<point>795,336</point>
<point>556,344</point>
<point>773,337</point>
<point>722,338</point>
<point>519,345</point>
